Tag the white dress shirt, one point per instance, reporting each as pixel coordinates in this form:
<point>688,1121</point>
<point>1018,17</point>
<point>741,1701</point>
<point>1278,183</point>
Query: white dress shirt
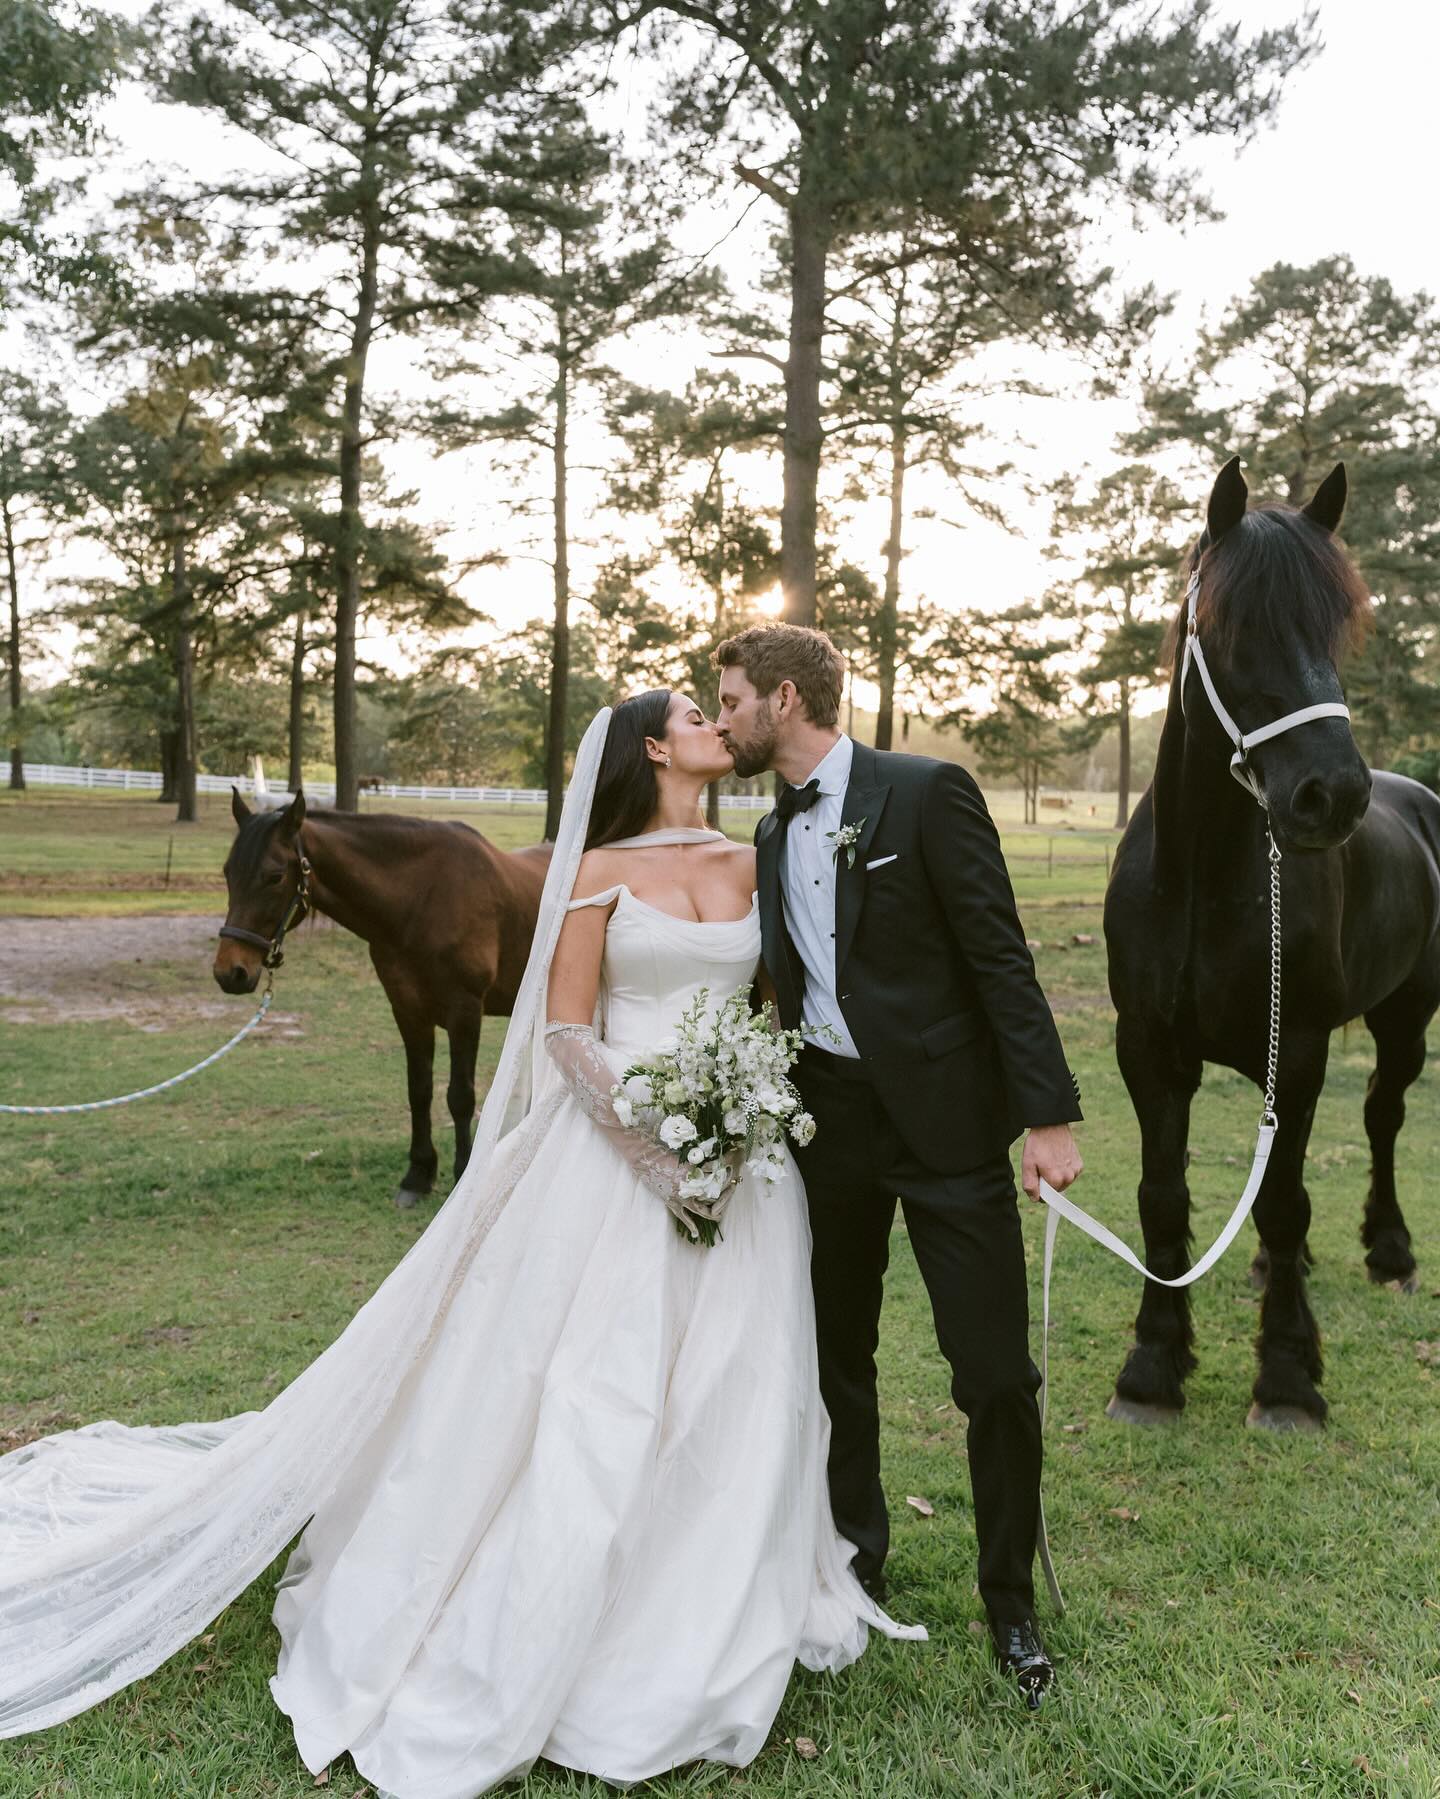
<point>807,882</point>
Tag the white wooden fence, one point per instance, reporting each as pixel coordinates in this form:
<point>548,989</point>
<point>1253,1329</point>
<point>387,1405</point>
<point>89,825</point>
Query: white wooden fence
<point>139,780</point>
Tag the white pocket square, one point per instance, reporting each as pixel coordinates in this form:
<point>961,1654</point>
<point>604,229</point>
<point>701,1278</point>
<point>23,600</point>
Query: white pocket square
<point>880,862</point>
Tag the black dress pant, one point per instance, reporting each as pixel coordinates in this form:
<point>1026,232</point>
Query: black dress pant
<point>965,1233</point>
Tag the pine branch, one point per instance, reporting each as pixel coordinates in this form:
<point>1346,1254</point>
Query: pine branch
<point>755,178</point>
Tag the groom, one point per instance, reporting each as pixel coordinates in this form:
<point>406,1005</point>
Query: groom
<point>888,916</point>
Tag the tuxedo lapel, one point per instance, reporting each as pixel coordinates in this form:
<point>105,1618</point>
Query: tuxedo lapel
<point>865,799</point>
<point>774,939</point>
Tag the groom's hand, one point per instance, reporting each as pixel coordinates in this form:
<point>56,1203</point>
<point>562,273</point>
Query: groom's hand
<point>1050,1154</point>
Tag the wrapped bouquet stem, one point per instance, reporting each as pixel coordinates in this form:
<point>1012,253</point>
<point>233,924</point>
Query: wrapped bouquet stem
<point>719,1096</point>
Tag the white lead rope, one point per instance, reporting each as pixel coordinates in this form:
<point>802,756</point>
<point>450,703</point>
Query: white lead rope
<point>1060,1207</point>
<point>124,1099</point>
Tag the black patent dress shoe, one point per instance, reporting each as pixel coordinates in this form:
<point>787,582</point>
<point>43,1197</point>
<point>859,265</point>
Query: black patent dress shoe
<point>876,1586</point>
<point>1022,1655</point>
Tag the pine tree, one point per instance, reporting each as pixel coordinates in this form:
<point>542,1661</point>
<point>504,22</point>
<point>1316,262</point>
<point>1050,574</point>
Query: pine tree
<point>1314,366</point>
<point>33,421</point>
<point>1130,533</point>
<point>992,134</point>
<point>906,330</point>
<point>384,115</point>
<point>171,474</point>
<point>594,251</point>
<point>56,69</point>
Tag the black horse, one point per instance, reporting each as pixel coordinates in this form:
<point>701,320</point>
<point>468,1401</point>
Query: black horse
<point>1187,928</point>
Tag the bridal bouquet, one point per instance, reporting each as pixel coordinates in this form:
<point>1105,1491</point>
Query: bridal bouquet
<point>719,1095</point>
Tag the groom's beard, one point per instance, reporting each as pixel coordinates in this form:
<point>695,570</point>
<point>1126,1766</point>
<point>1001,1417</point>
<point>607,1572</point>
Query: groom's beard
<point>754,754</point>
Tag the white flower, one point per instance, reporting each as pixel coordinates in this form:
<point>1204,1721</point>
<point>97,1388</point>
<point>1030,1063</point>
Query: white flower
<point>776,1100</point>
<point>677,1129</point>
<point>674,1094</point>
<point>702,1151</point>
<point>845,839</point>
<point>735,1121</point>
<point>767,1167</point>
<point>802,1128</point>
<point>624,1111</point>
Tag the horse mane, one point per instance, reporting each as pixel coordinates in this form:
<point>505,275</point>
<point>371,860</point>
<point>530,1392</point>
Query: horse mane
<point>1279,576</point>
<point>253,839</point>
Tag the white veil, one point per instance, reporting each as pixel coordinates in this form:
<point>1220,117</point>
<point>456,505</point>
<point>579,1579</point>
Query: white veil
<point>118,1543</point>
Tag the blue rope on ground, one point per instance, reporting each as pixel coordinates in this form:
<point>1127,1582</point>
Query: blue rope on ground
<point>123,1099</point>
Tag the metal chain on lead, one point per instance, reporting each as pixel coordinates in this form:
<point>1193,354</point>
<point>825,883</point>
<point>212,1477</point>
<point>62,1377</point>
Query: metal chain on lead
<point>1272,1058</point>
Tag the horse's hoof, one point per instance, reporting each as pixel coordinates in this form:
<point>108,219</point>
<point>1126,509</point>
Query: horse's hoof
<point>405,1198</point>
<point>1132,1411</point>
<point>1282,1418</point>
<point>1397,1283</point>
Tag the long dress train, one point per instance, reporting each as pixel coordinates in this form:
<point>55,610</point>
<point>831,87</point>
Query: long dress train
<point>589,1520</point>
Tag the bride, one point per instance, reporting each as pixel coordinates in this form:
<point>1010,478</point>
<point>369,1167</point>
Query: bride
<point>562,1479</point>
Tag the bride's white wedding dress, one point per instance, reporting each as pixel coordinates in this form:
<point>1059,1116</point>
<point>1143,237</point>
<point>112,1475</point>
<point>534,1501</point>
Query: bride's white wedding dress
<point>564,1474</point>
<point>594,1527</point>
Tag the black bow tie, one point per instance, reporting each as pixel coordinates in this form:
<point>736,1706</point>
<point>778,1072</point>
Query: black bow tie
<point>791,800</point>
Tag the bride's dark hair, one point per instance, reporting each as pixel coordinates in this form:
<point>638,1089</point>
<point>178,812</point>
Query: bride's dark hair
<point>626,793</point>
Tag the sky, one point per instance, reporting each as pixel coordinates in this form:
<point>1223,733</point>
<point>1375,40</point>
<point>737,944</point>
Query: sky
<point>1344,168</point>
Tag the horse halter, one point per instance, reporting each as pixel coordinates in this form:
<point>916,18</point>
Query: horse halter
<point>294,912</point>
<point>1244,741</point>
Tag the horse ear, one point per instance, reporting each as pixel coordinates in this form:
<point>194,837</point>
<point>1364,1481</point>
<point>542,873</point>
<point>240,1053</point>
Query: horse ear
<point>238,808</point>
<point>294,815</point>
<point>1329,502</point>
<point>1228,499</point>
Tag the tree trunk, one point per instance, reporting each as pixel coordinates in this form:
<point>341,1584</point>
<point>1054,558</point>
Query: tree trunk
<point>717,628</point>
<point>17,747</point>
<point>295,779</point>
<point>810,230</point>
<point>185,749</point>
<point>347,540</point>
<point>889,631</point>
<point>169,762</point>
<point>1122,803</point>
<point>560,642</point>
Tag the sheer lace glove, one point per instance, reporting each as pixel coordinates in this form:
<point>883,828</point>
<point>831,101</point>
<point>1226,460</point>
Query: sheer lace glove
<point>590,1071</point>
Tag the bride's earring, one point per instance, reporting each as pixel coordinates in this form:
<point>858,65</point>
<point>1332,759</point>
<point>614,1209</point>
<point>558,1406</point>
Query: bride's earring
<point>667,762</point>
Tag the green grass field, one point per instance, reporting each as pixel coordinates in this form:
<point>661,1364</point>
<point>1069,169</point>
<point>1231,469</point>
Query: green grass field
<point>1248,1616</point>
<point>65,852</point>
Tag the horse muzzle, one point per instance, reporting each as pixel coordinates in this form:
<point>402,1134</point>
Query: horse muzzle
<point>1322,809</point>
<point>237,968</point>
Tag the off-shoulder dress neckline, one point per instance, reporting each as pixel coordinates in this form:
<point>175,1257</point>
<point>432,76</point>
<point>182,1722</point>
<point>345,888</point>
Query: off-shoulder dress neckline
<point>608,893</point>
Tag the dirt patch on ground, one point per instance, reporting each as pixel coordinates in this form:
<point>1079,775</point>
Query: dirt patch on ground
<point>16,1429</point>
<point>55,970</point>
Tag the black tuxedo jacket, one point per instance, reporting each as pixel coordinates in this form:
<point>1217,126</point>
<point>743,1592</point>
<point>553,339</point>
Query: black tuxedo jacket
<point>932,973</point>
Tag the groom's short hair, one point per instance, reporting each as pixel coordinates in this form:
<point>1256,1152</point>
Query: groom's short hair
<point>770,654</point>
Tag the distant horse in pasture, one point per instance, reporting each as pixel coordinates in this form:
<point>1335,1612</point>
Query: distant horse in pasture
<point>1187,926</point>
<point>448,919</point>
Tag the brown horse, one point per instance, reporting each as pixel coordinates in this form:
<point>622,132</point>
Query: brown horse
<point>447,916</point>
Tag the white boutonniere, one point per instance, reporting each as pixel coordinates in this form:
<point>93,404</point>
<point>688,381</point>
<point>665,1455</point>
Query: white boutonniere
<point>846,838</point>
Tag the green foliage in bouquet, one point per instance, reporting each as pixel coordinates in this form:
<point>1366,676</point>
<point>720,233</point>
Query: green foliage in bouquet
<point>720,1097</point>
